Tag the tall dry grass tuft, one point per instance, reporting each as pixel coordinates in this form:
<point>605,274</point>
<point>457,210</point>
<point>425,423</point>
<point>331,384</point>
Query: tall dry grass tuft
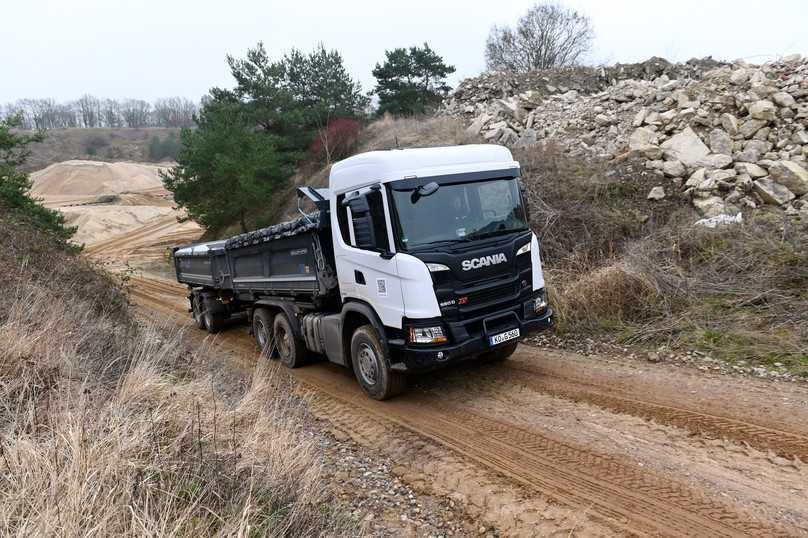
<point>111,430</point>
<point>390,133</point>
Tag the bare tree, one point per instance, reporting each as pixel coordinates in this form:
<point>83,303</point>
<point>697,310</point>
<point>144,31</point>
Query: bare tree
<point>136,112</point>
<point>89,108</point>
<point>548,35</point>
<point>111,113</point>
<point>174,112</point>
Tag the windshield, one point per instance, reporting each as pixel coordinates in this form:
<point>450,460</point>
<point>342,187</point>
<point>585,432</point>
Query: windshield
<point>459,212</point>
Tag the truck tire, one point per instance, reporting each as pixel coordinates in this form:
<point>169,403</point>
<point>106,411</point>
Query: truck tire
<point>291,350</point>
<point>501,353</point>
<point>262,329</point>
<point>214,322</point>
<point>199,315</point>
<point>371,365</point>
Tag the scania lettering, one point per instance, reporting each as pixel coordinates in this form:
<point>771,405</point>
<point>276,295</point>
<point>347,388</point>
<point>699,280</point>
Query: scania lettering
<point>476,263</point>
<point>411,260</point>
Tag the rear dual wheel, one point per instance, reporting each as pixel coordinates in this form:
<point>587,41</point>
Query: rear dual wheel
<point>276,339</point>
<point>262,329</point>
<point>204,317</point>
<point>198,311</point>
<point>291,350</point>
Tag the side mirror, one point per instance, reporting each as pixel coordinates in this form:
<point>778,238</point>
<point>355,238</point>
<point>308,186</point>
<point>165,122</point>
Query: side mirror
<point>424,190</point>
<point>362,222</point>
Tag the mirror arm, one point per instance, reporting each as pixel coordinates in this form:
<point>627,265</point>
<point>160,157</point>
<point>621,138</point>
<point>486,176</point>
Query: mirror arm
<point>387,255</point>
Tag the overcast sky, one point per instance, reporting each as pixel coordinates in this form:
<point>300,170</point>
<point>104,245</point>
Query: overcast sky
<point>158,48</point>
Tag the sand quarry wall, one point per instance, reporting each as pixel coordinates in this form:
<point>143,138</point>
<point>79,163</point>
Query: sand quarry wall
<point>103,199</point>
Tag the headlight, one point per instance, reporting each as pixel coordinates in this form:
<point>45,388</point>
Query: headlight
<point>427,335</point>
<point>525,248</point>
<point>435,267</point>
<point>541,303</point>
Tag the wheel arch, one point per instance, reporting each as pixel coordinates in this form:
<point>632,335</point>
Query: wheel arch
<point>277,306</point>
<point>355,314</point>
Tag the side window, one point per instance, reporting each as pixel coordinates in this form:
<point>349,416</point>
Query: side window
<point>379,223</point>
<point>342,218</point>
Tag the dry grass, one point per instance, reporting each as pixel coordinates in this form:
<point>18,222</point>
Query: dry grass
<point>391,133</point>
<point>639,270</point>
<point>110,428</point>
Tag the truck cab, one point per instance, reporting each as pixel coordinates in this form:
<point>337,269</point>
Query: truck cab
<point>436,242</point>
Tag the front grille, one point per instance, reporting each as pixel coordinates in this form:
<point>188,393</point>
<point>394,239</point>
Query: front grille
<point>489,295</point>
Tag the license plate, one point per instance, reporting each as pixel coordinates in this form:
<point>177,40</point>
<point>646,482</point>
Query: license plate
<point>503,337</point>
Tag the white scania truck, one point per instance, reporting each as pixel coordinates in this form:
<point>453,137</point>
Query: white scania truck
<point>414,259</point>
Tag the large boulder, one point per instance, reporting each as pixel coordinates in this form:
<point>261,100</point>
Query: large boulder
<point>686,147</point>
<point>763,110</point>
<point>673,169</point>
<point>790,175</point>
<point>750,127</point>
<point>641,138</point>
<point>657,193</point>
<point>752,169</point>
<point>711,206</point>
<point>771,192</point>
<point>478,124</point>
<point>716,160</point>
<point>720,142</point>
<point>729,123</point>
<point>784,99</point>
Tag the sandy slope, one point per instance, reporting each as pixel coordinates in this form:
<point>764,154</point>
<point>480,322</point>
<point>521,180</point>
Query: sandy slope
<point>77,188</point>
<point>71,178</point>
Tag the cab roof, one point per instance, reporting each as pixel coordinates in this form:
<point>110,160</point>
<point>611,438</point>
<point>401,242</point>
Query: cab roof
<point>391,165</point>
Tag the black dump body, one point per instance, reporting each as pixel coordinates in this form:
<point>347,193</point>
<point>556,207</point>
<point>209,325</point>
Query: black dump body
<point>292,259</point>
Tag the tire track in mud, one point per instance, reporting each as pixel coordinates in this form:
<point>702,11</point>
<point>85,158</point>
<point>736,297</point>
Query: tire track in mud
<point>634,499</point>
<point>780,442</point>
<point>130,239</point>
<point>617,491</point>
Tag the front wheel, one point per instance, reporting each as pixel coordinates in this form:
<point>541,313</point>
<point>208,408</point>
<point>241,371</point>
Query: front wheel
<point>371,365</point>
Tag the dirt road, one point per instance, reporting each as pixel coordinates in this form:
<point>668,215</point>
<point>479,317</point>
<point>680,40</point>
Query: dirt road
<point>557,444</point>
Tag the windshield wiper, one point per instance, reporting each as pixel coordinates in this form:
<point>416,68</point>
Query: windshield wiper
<point>492,233</point>
<point>438,242</point>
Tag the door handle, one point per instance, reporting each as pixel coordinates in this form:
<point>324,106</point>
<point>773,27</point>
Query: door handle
<point>359,277</point>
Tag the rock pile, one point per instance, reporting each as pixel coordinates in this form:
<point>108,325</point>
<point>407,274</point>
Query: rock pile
<point>729,136</point>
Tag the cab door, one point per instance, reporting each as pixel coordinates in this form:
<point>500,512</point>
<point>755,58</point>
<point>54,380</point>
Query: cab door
<point>364,252</point>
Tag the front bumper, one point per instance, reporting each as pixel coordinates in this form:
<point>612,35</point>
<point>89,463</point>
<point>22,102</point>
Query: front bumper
<point>412,358</point>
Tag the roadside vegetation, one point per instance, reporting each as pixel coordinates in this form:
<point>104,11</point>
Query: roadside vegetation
<point>113,427</point>
<point>110,427</point>
<point>15,185</point>
<point>639,272</point>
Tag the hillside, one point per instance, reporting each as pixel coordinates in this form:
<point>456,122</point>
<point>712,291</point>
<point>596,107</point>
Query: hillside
<point>100,144</point>
<point>81,380</point>
<point>106,200</point>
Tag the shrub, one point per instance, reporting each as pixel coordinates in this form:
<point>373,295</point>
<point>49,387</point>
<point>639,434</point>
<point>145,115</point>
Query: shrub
<point>337,141</point>
<point>164,149</point>
<point>15,185</point>
<point>94,143</point>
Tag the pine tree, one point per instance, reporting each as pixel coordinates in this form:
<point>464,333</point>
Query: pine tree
<point>411,81</point>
